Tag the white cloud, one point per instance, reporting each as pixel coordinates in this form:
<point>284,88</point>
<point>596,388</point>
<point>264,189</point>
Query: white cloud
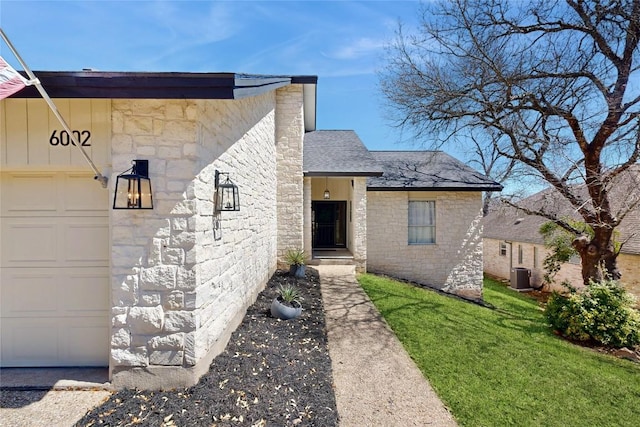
<point>357,49</point>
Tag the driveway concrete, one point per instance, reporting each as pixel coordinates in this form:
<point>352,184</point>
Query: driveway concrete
<point>36,397</point>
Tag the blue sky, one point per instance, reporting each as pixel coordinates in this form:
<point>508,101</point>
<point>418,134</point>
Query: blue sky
<point>342,42</point>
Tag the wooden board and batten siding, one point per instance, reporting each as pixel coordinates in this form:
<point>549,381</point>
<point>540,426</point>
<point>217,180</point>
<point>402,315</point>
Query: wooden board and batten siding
<point>31,136</point>
<point>54,241</point>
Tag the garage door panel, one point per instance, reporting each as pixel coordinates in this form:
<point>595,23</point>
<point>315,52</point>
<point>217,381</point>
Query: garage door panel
<point>60,292</point>
<point>55,242</point>
<point>30,342</point>
<point>80,341</point>
<point>28,240</point>
<point>29,193</point>
<point>28,294</point>
<point>86,342</point>
<point>81,197</point>
<point>79,245</point>
<point>87,292</point>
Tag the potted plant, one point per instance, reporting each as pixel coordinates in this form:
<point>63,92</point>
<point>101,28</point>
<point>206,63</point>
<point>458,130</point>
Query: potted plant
<point>287,304</point>
<point>295,258</point>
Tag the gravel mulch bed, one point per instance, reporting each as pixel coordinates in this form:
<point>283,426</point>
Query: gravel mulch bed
<point>272,373</point>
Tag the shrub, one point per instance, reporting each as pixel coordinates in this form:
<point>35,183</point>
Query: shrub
<point>602,313</point>
<point>295,257</point>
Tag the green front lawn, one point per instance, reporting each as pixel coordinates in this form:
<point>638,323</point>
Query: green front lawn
<point>504,366</point>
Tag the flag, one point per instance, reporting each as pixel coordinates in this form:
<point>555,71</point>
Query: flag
<point>10,81</point>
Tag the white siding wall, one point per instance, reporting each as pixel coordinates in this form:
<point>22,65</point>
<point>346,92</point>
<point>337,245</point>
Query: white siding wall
<point>31,136</point>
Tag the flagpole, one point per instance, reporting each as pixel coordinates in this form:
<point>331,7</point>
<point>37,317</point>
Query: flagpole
<point>34,80</point>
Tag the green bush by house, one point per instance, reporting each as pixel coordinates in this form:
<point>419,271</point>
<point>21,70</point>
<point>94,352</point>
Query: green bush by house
<point>602,313</point>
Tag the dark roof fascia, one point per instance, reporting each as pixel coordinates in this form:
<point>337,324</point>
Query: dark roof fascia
<point>303,80</point>
<point>340,174</point>
<point>152,85</point>
<point>434,189</point>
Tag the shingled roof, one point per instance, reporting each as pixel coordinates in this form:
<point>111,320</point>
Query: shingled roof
<point>426,171</point>
<point>337,153</point>
<point>508,223</point>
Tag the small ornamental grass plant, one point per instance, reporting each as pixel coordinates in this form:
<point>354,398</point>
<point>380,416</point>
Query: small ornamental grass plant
<point>603,313</point>
<point>295,257</point>
<point>290,295</point>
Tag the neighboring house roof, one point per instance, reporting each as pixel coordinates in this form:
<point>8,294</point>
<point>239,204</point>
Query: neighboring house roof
<point>507,223</point>
<point>426,171</point>
<point>168,85</point>
<point>337,153</point>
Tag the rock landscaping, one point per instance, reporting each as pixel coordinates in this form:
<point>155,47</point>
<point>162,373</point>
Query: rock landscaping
<point>272,373</point>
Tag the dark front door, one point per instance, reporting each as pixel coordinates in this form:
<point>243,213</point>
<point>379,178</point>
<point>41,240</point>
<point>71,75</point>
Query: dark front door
<point>329,224</point>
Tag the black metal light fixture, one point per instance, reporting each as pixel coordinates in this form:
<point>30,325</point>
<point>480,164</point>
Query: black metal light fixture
<point>327,194</point>
<point>133,188</point>
<point>227,197</point>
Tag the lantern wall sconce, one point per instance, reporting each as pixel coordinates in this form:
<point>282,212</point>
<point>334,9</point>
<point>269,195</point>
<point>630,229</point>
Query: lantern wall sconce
<point>227,197</point>
<point>133,188</point>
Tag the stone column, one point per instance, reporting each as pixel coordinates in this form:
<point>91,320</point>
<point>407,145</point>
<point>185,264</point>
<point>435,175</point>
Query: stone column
<point>360,223</point>
<point>289,140</point>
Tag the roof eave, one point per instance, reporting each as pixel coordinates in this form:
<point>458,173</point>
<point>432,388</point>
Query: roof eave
<point>341,174</point>
<point>379,188</point>
<point>156,85</point>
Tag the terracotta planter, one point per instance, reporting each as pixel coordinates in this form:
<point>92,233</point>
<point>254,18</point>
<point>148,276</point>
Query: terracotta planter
<point>282,311</point>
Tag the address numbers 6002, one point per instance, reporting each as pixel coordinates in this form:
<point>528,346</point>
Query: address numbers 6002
<point>62,138</point>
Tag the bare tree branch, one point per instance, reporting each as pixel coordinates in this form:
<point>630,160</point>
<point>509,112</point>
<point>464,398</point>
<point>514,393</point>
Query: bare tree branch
<point>544,84</point>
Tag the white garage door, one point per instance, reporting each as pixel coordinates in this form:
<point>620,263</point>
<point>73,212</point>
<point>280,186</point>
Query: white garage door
<point>54,279</point>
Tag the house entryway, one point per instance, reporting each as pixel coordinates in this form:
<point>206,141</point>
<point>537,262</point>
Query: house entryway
<point>329,224</point>
<point>330,233</point>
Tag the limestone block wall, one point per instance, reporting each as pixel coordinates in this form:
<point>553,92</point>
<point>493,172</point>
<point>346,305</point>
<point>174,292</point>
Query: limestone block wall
<point>289,139</point>
<point>182,276</point>
<point>358,224</point>
<point>453,263</point>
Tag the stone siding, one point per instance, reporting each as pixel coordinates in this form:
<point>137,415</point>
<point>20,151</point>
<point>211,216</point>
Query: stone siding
<point>358,225</point>
<point>499,266</point>
<point>453,263</point>
<point>289,138</point>
<point>183,276</point>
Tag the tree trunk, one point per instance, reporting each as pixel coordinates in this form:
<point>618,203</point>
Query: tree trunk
<point>599,259</point>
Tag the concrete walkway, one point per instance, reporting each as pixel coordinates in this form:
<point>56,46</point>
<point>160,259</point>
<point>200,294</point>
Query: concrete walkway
<point>376,382</point>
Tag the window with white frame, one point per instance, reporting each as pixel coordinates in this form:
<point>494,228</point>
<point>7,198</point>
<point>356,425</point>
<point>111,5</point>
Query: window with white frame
<point>422,222</point>
<point>503,248</point>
